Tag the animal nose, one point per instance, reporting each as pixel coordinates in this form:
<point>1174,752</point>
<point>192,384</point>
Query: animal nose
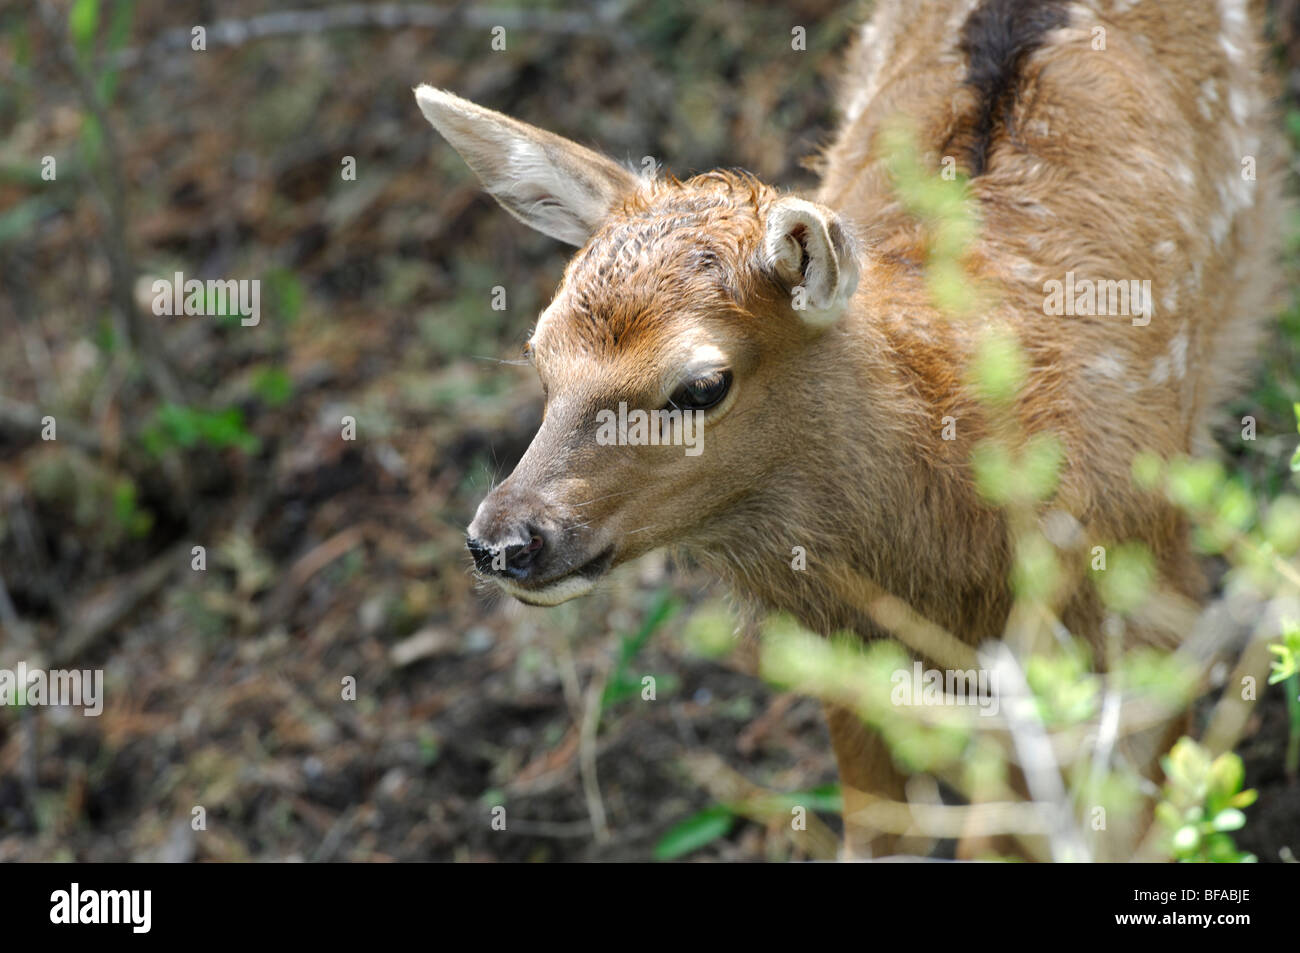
<point>516,555</point>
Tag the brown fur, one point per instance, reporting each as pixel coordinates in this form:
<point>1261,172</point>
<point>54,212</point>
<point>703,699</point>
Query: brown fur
<point>1115,164</point>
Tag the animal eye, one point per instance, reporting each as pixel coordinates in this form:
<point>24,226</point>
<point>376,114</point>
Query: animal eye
<point>702,392</point>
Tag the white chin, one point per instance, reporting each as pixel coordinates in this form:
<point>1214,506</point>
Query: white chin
<point>563,590</point>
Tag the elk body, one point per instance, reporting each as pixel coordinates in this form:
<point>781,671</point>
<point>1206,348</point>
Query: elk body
<point>1110,141</point>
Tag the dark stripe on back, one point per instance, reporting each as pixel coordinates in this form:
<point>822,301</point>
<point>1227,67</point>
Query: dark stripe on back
<point>997,38</point>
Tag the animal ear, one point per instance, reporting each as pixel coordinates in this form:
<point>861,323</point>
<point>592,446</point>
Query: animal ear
<point>809,251</point>
<point>558,187</point>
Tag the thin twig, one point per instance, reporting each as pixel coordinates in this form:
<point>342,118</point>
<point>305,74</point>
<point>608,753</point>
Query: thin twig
<point>951,821</point>
<point>26,419</point>
<point>391,16</point>
<point>585,710</point>
<point>587,756</point>
<point>115,244</point>
<point>102,612</point>
<point>1035,756</point>
<point>1111,705</point>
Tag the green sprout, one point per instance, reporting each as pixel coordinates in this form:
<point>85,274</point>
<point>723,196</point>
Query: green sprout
<point>1203,803</point>
<point>1286,668</point>
<point>1295,457</point>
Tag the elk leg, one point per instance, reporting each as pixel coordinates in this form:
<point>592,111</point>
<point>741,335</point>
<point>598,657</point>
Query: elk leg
<point>867,774</point>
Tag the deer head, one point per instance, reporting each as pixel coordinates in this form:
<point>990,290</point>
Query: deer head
<point>683,335</point>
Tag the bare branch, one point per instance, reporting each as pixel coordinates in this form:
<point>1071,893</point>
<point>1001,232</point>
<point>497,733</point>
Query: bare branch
<point>389,16</point>
<point>113,196</point>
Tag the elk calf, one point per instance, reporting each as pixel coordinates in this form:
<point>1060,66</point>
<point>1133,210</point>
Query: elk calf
<point>1108,142</point>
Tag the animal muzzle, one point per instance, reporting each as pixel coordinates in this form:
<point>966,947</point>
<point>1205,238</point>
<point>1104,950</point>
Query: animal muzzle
<point>520,544</point>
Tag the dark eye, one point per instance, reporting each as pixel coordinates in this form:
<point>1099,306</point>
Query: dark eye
<point>702,392</point>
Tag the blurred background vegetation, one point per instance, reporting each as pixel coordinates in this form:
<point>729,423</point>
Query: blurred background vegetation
<point>327,559</point>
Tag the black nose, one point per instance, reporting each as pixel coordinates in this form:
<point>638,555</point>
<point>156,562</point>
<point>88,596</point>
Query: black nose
<point>514,559</point>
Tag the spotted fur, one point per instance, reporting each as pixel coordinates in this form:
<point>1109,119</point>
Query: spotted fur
<point>1107,139</point>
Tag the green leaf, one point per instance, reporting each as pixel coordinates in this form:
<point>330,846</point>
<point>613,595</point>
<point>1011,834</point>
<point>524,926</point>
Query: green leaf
<point>178,426</point>
<point>620,684</point>
<point>1287,662</point>
<point>134,519</point>
<point>1226,776</point>
<point>1219,849</point>
<point>1041,464</point>
<point>710,631</point>
<point>1168,815</point>
<point>1282,524</point>
<point>1148,470</point>
<point>826,799</point>
<point>1186,839</point>
<point>1235,506</point>
<point>1187,763</point>
<point>1126,582</point>
<point>1245,798</point>
<point>995,472</point>
<point>83,21</point>
<point>1000,367</point>
<point>285,293</point>
<point>695,832</point>
<point>119,24</point>
<point>273,385</point>
<point>1195,483</point>
<point>1230,819</point>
